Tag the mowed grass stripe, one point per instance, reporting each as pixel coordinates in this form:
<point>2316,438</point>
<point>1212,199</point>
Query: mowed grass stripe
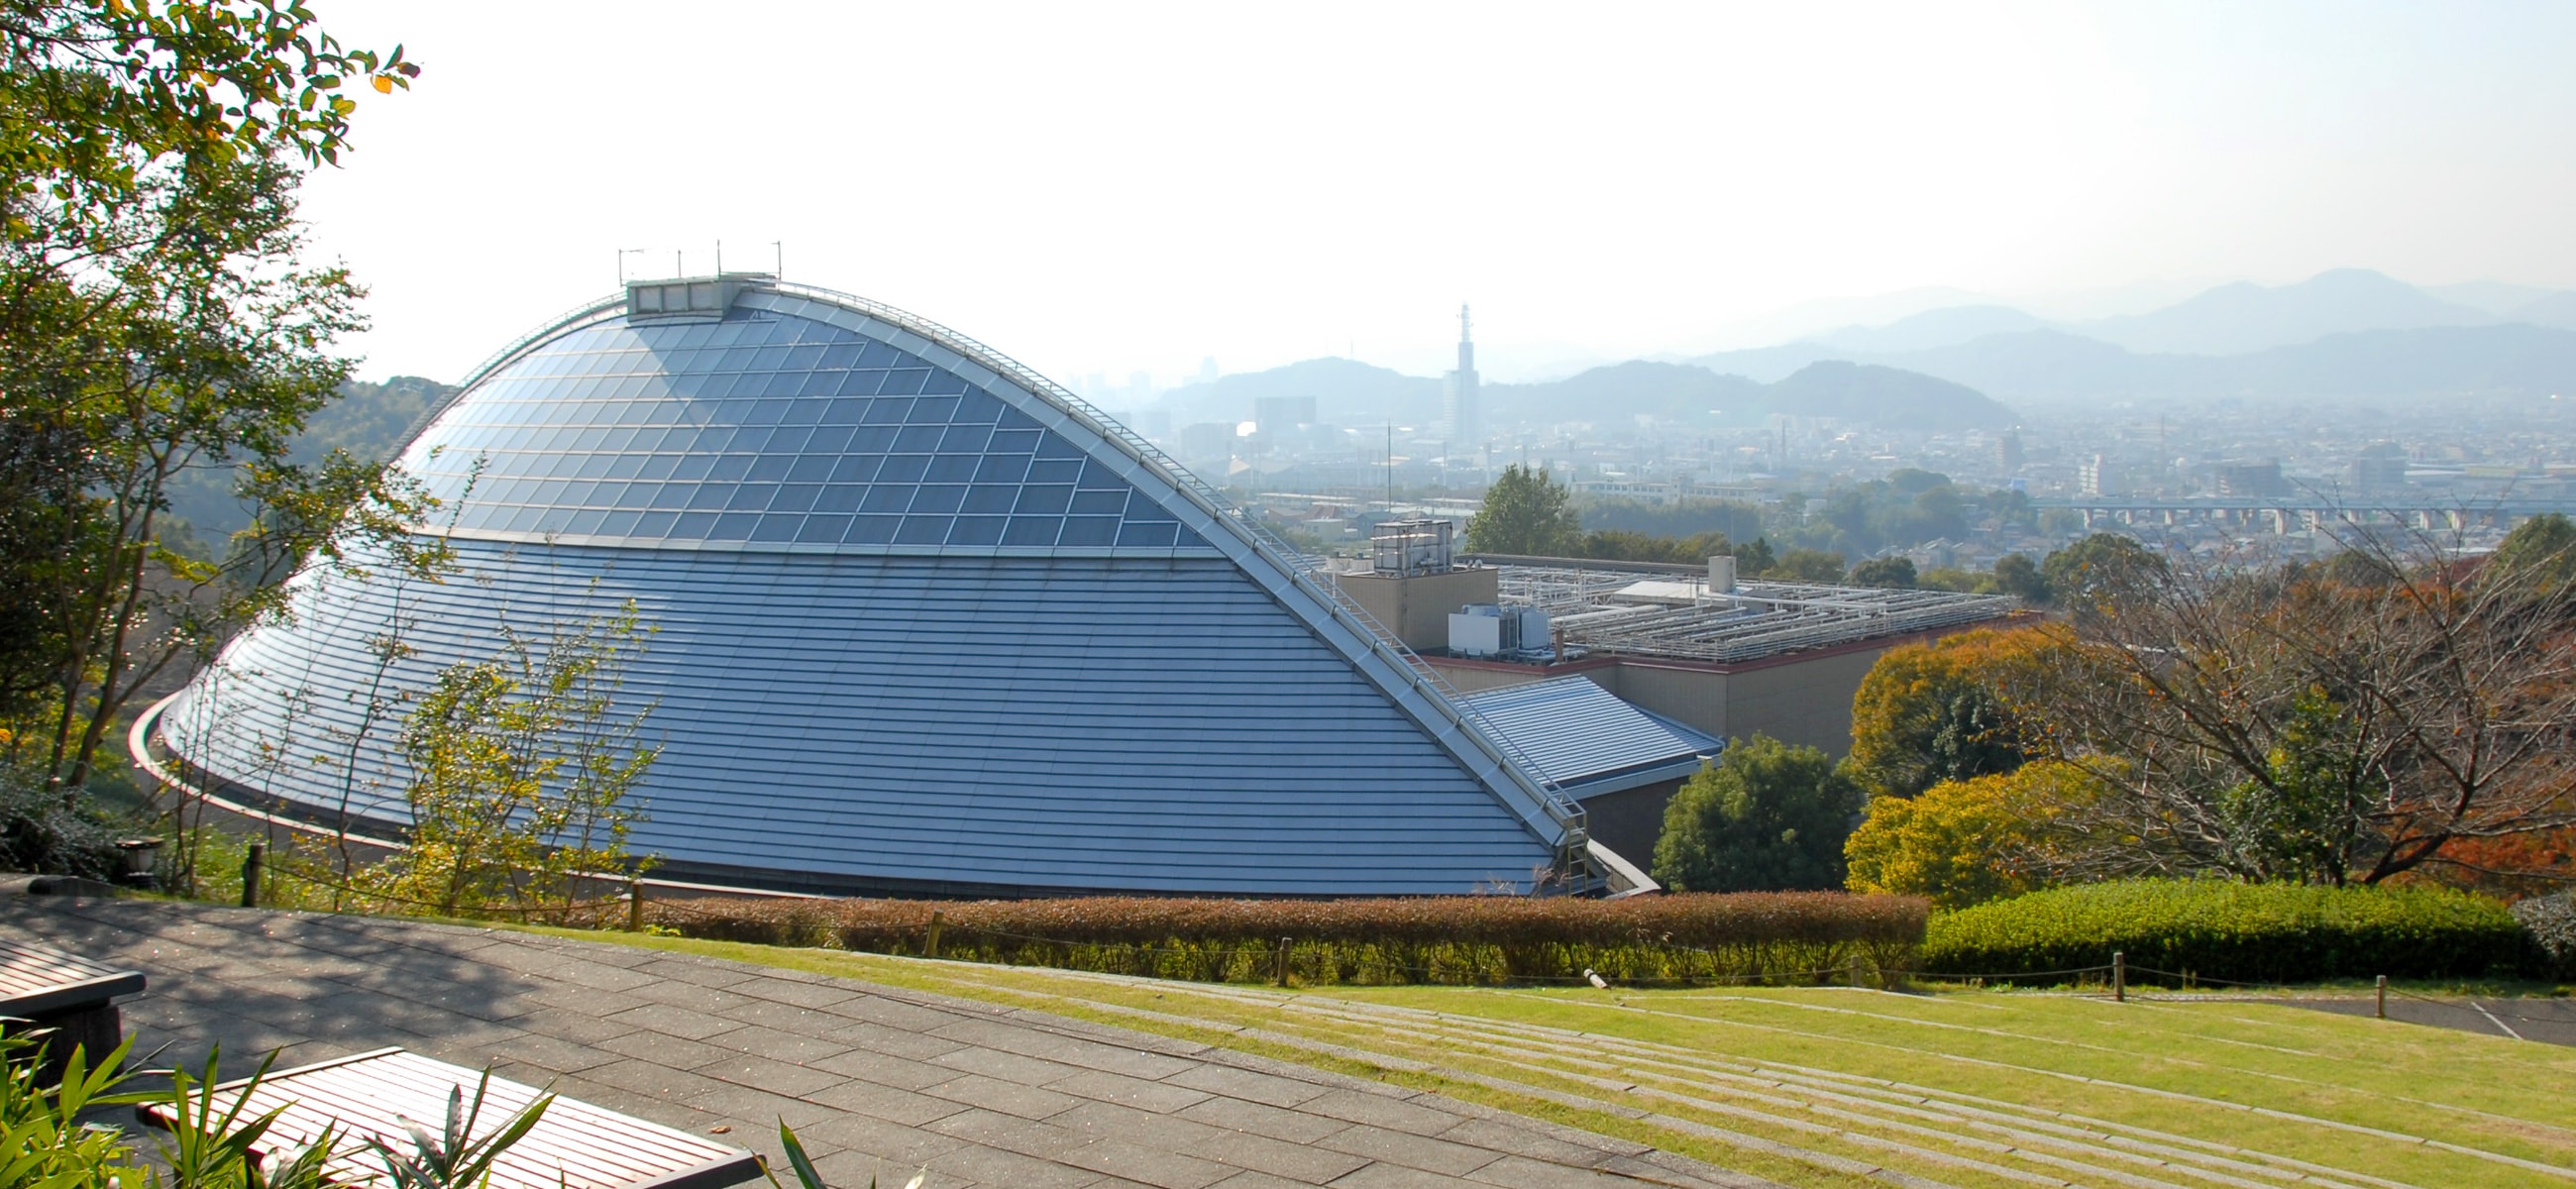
<point>1870,1159</point>
<point>2272,1095</point>
<point>2402,1157</point>
<point>2345,1071</point>
<point>2021,1134</point>
<point>2519,1126</point>
<point>1918,1145</point>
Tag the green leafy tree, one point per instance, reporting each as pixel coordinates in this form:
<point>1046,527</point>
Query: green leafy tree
<point>2306,817</point>
<point>2090,573</point>
<point>1526,512</point>
<point>1889,573</point>
<point>1756,558</point>
<point>2016,575</point>
<point>1765,816</point>
<point>1808,565</point>
<point>155,322</point>
<point>520,769</point>
<point>2541,551</point>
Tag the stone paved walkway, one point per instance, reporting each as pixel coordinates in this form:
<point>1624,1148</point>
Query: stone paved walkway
<point>877,1081</point>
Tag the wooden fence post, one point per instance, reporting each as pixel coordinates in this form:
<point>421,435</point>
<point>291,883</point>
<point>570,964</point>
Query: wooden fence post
<point>2119,977</point>
<point>938,921</point>
<point>1855,970</point>
<point>2383,997</point>
<point>251,865</point>
<point>634,905</point>
<point>1279,961</point>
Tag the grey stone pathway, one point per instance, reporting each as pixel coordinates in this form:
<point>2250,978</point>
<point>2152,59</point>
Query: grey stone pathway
<point>877,1081</point>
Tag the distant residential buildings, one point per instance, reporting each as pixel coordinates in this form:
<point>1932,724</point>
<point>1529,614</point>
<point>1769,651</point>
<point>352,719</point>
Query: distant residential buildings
<point>2249,478</point>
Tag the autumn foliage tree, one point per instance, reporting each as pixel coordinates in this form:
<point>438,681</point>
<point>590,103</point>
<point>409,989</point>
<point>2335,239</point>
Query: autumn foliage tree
<point>1932,712</point>
<point>1964,842</point>
<point>2338,723</point>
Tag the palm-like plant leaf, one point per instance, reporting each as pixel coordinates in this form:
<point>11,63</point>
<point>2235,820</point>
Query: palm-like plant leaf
<point>454,1158</point>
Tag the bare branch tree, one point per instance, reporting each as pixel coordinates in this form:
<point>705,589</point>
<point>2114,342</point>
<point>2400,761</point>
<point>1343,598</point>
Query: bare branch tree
<point>2329,722</point>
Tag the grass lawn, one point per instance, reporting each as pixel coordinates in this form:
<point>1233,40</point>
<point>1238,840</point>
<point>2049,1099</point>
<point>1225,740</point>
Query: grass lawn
<point>1834,1087</point>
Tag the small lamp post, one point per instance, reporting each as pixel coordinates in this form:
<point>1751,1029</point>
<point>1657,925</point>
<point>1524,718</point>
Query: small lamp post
<point>141,855</point>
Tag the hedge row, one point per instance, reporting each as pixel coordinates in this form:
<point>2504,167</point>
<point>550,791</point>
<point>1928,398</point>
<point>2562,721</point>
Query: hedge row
<point>2217,930</point>
<point>1788,936</point>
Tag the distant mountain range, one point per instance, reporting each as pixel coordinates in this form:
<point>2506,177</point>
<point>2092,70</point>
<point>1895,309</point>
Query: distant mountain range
<point>1351,393</point>
<point>2349,333</point>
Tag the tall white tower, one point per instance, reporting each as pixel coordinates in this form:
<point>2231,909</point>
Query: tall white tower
<point>1466,431</point>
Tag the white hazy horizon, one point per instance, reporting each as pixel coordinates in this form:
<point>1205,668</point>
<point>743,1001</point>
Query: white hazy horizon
<point>1107,190</point>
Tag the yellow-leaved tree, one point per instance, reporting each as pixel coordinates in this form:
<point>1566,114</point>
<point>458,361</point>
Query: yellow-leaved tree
<point>1964,842</point>
<point>1936,711</point>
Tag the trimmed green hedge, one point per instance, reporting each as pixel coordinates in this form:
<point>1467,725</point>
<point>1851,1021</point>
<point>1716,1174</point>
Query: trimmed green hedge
<point>2212,929</point>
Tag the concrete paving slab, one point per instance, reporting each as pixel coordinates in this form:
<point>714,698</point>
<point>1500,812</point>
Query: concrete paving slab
<point>878,1081</point>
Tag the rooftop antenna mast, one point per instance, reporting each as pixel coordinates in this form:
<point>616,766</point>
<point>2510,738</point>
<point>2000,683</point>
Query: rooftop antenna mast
<point>622,254</point>
<point>778,265</point>
<point>719,257</point>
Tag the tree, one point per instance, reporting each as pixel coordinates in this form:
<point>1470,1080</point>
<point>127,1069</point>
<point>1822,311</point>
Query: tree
<point>1931,712</point>
<point>2018,576</point>
<point>1808,565</point>
<point>154,322</point>
<point>2542,548</point>
<point>520,768</point>
<point>2275,723</point>
<point>1765,816</point>
<point>1964,842</point>
<point>1526,513</point>
<point>1755,559</point>
<point>1890,573</point>
<point>2085,573</point>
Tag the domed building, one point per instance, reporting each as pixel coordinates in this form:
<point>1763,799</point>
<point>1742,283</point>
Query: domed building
<point>923,621</point>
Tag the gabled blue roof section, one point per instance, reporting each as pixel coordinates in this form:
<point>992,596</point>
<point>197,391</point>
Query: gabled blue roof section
<point>927,621</point>
<point>1590,741</point>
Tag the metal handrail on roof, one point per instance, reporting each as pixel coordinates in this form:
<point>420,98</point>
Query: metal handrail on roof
<point>1302,570</point>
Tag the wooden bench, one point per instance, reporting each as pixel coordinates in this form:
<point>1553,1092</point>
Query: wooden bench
<point>574,1146</point>
<point>68,997</point>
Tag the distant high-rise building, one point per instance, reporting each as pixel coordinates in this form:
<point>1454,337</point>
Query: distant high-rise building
<point>1276,413</point>
<point>2098,476</point>
<point>2008,455</point>
<point>1465,427</point>
<point>2381,467</point>
<point>2250,478</point>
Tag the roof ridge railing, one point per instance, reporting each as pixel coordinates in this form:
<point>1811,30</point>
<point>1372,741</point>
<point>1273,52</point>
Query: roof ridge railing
<point>1301,569</point>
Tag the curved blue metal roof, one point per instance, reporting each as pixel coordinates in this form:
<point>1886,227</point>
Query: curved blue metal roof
<point>925,622</point>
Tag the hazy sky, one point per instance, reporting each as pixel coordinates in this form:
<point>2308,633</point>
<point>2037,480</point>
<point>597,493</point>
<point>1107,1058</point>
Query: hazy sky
<point>1111,188</point>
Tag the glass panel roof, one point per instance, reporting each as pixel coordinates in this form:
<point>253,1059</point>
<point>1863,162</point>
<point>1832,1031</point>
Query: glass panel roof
<point>766,429</point>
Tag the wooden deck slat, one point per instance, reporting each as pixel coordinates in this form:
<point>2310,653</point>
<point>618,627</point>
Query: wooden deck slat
<point>574,1146</point>
<point>36,979</point>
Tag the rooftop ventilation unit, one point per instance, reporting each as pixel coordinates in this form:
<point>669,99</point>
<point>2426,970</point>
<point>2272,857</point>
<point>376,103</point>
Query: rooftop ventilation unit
<point>690,297</point>
<point>1403,548</point>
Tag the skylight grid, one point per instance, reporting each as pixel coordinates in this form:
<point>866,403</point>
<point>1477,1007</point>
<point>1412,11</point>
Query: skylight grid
<point>775,431</point>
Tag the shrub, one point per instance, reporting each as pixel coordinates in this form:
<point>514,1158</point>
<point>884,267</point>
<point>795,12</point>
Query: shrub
<point>1457,939</point>
<point>2549,924</point>
<point>40,834</point>
<point>2224,931</point>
